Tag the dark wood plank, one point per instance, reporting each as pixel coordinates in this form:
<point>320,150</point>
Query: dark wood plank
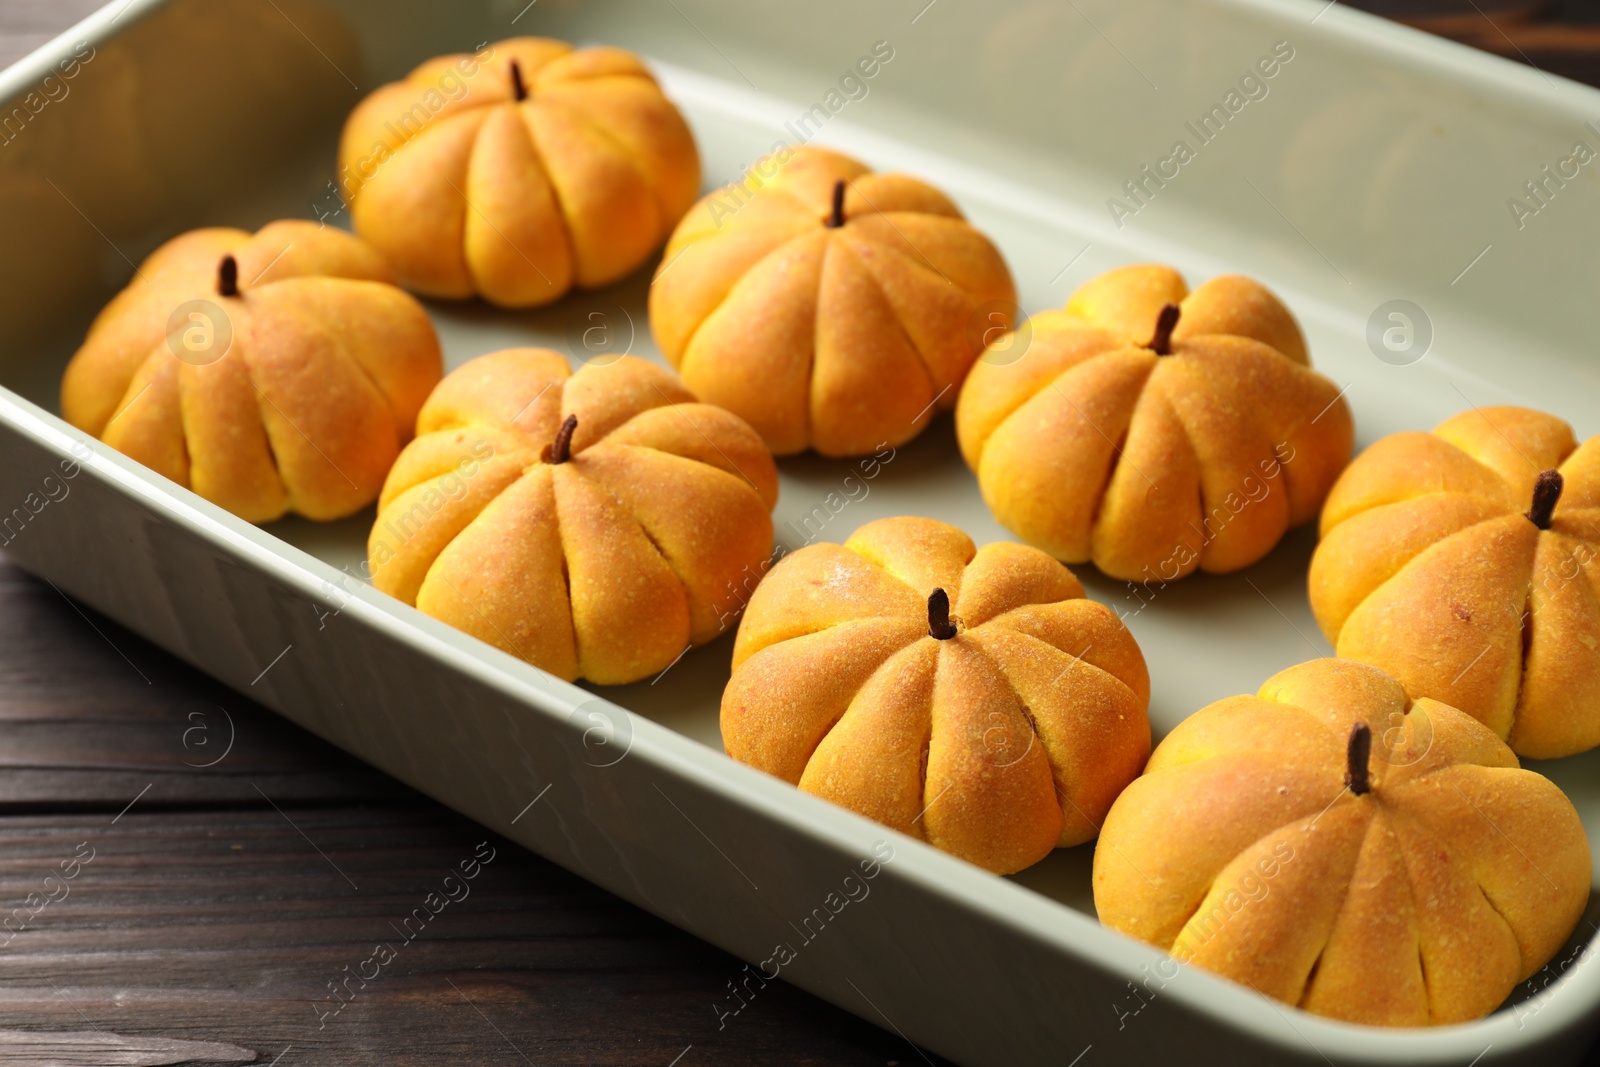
<point>237,927</point>
<point>1556,36</point>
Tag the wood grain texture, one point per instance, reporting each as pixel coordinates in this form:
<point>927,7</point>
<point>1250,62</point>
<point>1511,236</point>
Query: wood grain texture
<point>1555,36</point>
<point>240,866</point>
<point>96,1048</point>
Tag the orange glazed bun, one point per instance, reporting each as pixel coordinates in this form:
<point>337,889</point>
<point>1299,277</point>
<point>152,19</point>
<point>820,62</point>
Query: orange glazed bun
<point>273,373</point>
<point>1152,430</point>
<point>1464,562</point>
<point>968,697</point>
<point>1338,847</point>
<point>519,171</point>
<point>595,524</point>
<point>830,307</point>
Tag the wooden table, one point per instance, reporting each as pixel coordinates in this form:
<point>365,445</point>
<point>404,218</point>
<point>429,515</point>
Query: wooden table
<point>209,883</point>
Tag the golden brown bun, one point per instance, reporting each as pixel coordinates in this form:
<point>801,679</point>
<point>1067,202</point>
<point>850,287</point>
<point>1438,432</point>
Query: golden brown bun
<point>998,744</point>
<point>1430,568</point>
<point>307,406</point>
<point>606,566</point>
<point>839,339</point>
<point>1094,448</point>
<point>1424,901</point>
<point>468,191</point>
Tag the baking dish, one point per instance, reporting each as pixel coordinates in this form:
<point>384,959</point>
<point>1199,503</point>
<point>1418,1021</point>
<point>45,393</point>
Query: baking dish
<point>1370,180</point>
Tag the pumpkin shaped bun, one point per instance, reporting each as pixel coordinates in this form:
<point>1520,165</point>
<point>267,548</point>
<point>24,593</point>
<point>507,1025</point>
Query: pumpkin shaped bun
<point>518,171</point>
<point>1338,847</point>
<point>594,524</point>
<point>971,698</point>
<point>1153,430</point>
<point>273,373</point>
<point>831,307</point>
<point>1464,562</point>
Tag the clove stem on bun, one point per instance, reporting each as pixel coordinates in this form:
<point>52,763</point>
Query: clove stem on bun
<point>518,89</point>
<point>228,277</point>
<point>560,450</point>
<point>837,219</point>
<point>1357,755</point>
<point>1166,322</point>
<point>939,625</point>
<point>1546,492</point>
